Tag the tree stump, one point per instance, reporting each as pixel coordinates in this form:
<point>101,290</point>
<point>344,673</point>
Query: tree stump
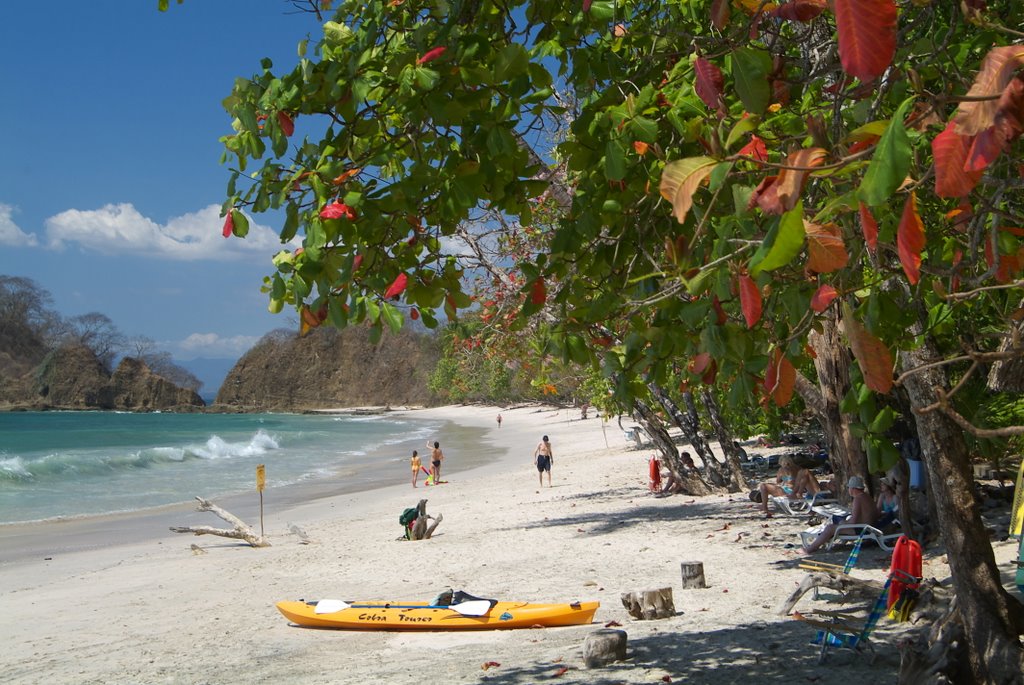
<point>604,646</point>
<point>647,604</point>
<point>693,574</point>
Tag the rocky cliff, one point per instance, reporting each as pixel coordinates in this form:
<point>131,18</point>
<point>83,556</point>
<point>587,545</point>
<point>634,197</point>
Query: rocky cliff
<point>328,368</point>
<point>72,377</point>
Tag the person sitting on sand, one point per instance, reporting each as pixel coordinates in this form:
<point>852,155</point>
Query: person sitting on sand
<point>791,481</point>
<point>416,466</point>
<point>888,503</point>
<point>436,457</point>
<point>864,512</point>
<point>673,485</point>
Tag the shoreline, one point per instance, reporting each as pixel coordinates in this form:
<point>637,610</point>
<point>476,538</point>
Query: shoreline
<point>159,611</point>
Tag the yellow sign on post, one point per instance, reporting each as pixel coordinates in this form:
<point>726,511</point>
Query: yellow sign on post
<point>261,477</point>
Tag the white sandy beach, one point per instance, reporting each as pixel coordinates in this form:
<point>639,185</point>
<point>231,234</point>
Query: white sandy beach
<point>158,612</point>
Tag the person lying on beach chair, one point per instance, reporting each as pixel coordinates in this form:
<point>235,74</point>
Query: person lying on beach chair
<point>791,481</point>
<point>864,512</point>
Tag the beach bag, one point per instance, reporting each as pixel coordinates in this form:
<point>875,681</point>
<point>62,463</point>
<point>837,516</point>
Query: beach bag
<point>408,516</point>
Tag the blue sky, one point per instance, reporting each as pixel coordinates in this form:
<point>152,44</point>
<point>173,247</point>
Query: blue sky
<point>110,181</point>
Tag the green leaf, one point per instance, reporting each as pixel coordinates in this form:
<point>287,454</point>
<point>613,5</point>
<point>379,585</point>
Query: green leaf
<point>614,161</point>
<point>890,163</point>
<point>240,223</point>
<point>742,127</point>
<point>392,316</point>
<point>789,240</point>
<point>644,129</point>
<point>750,69</point>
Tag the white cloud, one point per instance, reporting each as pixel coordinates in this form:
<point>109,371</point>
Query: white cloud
<point>121,229</point>
<point>10,233</point>
<point>214,345</point>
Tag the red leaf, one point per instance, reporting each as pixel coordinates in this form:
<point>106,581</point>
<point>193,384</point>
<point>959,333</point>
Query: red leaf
<point>867,36</point>
<point>709,84</point>
<point>756,149</point>
<point>641,147</point>
<point>799,10</point>
<point>720,14</point>
<point>750,300</point>
<point>357,262</point>
<point>431,55</point>
<point>792,181</point>
<point>229,224</point>
<point>286,123</point>
<point>872,355</point>
<point>414,313</point>
<point>979,111</point>
<point>699,363</point>
<point>950,151</point>
<point>910,240</point>
<point>538,293</point>
<point>560,672</point>
<point>720,316</point>
<point>766,196</point>
<point>869,226</point>
<point>782,379</point>
<point>397,286</point>
<point>338,210</point>
<point>823,297</point>
<point>1007,126</point>
<point>586,5</point>
<point>825,249</point>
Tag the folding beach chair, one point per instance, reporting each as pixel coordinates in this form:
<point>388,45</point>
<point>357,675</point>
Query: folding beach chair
<point>851,532</point>
<point>851,561</point>
<point>838,629</point>
<point>801,506</point>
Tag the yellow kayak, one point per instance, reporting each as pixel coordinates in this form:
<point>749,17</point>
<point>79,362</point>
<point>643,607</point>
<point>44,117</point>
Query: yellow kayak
<point>470,615</point>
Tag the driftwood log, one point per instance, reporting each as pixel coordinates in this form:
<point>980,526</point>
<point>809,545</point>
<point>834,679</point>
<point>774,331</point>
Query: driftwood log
<point>604,646</point>
<point>240,531</point>
<point>421,530</point>
<point>852,589</point>
<point>645,605</point>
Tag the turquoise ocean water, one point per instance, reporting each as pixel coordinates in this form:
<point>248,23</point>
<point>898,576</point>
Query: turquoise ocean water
<point>73,464</point>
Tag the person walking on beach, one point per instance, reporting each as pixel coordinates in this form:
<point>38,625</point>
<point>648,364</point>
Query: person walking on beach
<point>499,420</point>
<point>416,466</point>
<point>436,457</point>
<point>543,458</point>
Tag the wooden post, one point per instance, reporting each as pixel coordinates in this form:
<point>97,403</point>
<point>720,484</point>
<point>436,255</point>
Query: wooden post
<point>693,574</point>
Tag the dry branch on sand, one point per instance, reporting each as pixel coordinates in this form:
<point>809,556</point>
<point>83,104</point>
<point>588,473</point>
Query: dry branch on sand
<point>240,531</point>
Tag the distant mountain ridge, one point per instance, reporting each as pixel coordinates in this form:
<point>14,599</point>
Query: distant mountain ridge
<point>329,368</point>
<point>73,377</point>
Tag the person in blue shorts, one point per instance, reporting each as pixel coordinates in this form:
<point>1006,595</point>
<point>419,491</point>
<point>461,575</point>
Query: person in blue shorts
<point>543,458</point>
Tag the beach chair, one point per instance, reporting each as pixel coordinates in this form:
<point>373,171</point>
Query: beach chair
<point>851,532</point>
<point>801,506</point>
<point>851,561</point>
<point>839,629</point>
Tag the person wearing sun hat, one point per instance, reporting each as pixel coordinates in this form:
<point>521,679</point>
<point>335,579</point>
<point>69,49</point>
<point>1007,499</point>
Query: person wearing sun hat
<point>888,502</point>
<point>863,510</point>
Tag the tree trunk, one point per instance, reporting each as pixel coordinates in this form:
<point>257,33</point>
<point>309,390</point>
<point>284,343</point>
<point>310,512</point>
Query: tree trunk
<point>992,619</point>
<point>691,431</point>
<point>690,478</point>
<point>737,481</point>
<point>832,363</point>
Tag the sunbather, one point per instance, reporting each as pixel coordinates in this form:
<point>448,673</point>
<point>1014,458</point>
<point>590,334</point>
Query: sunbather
<point>863,512</point>
<point>888,503</point>
<point>791,481</point>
